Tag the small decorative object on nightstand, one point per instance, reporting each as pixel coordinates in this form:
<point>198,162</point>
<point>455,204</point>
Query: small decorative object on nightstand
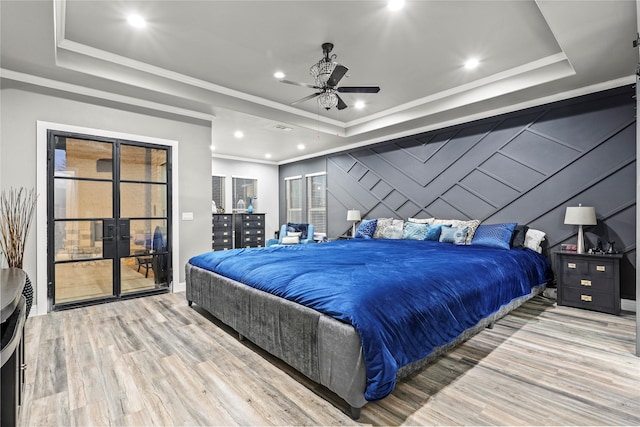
<point>590,281</point>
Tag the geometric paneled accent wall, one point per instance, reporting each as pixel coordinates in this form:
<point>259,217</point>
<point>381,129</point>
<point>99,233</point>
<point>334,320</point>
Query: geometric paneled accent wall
<point>526,167</point>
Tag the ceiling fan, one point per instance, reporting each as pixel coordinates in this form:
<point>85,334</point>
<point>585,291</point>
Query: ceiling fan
<point>327,74</point>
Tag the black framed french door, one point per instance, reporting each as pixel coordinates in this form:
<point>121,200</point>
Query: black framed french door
<point>109,219</point>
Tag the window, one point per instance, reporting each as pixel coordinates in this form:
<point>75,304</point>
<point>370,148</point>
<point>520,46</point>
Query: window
<point>293,197</point>
<point>217,191</point>
<point>243,189</point>
<point>317,202</point>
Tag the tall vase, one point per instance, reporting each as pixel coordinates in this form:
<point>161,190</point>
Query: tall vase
<point>250,208</point>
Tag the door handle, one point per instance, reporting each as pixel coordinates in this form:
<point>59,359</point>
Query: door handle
<point>109,234</point>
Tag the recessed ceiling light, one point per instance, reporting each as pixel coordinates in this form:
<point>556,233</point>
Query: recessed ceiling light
<point>238,134</point>
<point>359,105</point>
<point>268,155</point>
<point>136,21</point>
<point>279,75</point>
<point>300,146</point>
<point>471,64</point>
<point>212,147</point>
<point>395,4</point>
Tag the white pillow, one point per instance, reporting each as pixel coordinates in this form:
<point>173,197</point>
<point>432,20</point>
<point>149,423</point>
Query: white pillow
<point>294,233</point>
<point>533,238</point>
<point>290,240</point>
<point>394,231</point>
<point>420,220</point>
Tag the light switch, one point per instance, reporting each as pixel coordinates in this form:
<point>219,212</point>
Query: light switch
<point>187,216</point>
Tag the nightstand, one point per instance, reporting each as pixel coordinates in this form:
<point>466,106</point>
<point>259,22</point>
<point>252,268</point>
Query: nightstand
<point>589,281</point>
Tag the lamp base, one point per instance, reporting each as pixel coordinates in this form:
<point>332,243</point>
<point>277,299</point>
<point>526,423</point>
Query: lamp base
<point>580,245</point>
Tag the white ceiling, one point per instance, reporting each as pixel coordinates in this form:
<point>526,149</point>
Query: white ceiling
<point>214,60</point>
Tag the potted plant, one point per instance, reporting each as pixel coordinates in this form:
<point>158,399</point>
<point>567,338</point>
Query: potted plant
<point>17,207</point>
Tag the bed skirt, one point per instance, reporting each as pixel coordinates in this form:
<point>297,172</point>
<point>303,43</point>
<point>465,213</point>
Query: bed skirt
<point>323,349</point>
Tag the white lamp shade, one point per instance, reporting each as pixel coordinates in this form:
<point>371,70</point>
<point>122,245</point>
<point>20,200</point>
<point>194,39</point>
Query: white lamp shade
<point>580,215</point>
<point>353,215</point>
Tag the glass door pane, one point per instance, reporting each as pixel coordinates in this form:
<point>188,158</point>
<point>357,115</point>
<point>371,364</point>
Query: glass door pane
<point>82,198</point>
<point>144,202</point>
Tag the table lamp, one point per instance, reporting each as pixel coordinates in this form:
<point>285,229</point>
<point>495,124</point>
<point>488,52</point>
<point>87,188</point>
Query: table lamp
<point>353,215</point>
<point>580,215</point>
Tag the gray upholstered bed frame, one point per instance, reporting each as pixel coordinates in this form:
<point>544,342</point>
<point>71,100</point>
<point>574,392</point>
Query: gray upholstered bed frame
<point>324,349</point>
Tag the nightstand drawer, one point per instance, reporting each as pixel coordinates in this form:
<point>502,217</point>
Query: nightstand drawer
<point>584,298</point>
<point>592,283</point>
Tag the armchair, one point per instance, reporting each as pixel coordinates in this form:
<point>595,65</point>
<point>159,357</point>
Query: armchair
<point>291,227</point>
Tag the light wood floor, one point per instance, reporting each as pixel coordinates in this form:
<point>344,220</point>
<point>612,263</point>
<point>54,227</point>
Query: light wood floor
<point>156,361</point>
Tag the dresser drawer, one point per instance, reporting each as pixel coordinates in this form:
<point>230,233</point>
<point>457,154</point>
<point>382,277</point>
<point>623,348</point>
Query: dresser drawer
<point>257,240</point>
<point>221,233</point>
<point>585,298</point>
<point>252,232</point>
<point>222,218</point>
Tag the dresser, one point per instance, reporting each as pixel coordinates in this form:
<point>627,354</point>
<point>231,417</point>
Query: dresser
<point>589,281</point>
<point>249,230</point>
<point>221,232</point>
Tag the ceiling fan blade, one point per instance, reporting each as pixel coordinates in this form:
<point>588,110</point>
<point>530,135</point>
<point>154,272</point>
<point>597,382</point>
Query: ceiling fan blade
<point>341,105</point>
<point>289,82</point>
<point>306,98</point>
<point>338,73</point>
<point>358,89</point>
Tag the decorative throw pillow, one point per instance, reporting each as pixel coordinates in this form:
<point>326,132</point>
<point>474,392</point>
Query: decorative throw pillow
<point>518,236</point>
<point>290,240</point>
<point>420,220</point>
<point>494,235</point>
<point>533,239</point>
<point>471,225</point>
<point>433,231</point>
<point>380,227</point>
<point>366,228</point>
<point>455,235</point>
<point>414,231</point>
<point>394,231</point>
<point>301,228</point>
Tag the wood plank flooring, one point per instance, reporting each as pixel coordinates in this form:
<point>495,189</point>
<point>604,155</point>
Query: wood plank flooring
<point>156,361</point>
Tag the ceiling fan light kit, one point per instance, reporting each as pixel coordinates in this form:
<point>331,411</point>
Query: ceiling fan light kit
<point>327,74</point>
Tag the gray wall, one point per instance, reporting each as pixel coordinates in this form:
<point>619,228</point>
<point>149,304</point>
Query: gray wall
<point>526,167</point>
<point>22,108</point>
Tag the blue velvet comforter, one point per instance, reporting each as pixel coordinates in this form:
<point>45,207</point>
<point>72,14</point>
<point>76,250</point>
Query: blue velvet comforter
<point>404,297</point>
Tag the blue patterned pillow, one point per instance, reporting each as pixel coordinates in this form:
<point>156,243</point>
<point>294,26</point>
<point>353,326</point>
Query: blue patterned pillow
<point>413,231</point>
<point>433,231</point>
<point>456,235</point>
<point>366,229</point>
<point>494,235</point>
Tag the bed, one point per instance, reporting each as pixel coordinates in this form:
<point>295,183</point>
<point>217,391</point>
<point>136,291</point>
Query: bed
<point>357,315</point>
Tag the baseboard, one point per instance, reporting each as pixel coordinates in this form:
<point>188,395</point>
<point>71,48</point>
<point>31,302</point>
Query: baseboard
<point>179,287</point>
<point>628,305</point>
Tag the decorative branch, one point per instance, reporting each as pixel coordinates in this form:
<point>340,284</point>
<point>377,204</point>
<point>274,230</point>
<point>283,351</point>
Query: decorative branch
<point>17,207</point>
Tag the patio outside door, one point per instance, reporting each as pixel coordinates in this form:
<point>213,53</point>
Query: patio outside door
<point>109,219</point>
